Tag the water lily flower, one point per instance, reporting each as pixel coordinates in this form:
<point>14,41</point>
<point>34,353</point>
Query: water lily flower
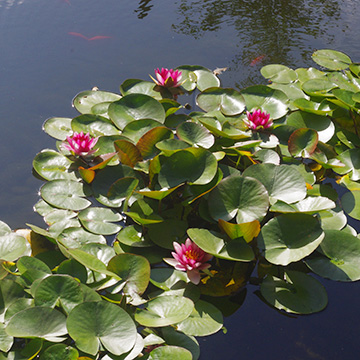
<point>167,78</point>
<point>190,258</point>
<point>258,120</point>
<point>80,144</point>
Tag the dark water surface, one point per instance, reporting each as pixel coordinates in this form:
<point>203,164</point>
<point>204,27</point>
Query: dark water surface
<point>42,67</point>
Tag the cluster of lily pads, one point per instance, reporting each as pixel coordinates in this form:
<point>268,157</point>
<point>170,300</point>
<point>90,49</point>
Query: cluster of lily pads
<point>243,188</point>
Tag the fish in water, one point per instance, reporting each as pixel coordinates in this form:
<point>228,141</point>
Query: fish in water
<point>98,37</point>
<point>219,71</point>
<point>257,60</point>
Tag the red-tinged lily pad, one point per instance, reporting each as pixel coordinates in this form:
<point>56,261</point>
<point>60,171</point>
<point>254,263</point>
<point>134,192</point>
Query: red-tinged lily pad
<point>128,153</point>
<point>147,143</point>
<point>303,142</point>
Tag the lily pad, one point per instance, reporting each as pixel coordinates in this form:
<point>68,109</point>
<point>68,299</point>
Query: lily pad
<point>58,128</point>
<point>331,59</point>
<point>164,311</point>
<point>100,220</point>
<point>66,194</point>
<point>298,293</point>
<point>95,125</point>
<point>281,181</point>
<point>84,101</point>
<point>112,327</point>
<point>341,257</point>
<point>249,199</point>
<point>289,238</point>
<point>195,134</point>
<point>204,320</point>
<point>215,244</point>
<point>350,202</point>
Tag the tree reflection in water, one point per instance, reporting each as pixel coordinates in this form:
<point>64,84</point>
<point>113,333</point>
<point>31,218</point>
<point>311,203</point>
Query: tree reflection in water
<point>271,31</point>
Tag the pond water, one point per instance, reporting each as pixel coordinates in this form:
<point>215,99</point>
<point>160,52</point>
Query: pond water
<point>48,53</point>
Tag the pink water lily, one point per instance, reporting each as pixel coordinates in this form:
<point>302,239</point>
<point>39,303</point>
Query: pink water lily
<point>190,258</point>
<point>80,144</point>
<point>167,78</point>
<point>258,120</point>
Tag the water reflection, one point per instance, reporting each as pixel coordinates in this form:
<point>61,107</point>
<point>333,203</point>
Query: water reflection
<point>143,9</point>
<point>273,31</point>
<point>8,3</point>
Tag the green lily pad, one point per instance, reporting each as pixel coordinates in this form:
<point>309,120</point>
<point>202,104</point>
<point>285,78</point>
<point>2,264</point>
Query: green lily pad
<point>215,244</point>
<point>58,288</point>
<point>136,129</point>
<point>135,107</point>
<point>289,238</point>
<point>193,165</point>
<point>86,100</point>
<point>197,76</point>
<point>134,270</point>
<point>322,124</point>
<point>105,179</point>
<point>249,199</point>
<point>66,194</point>
<point>341,257</point>
<point>351,159</point>
<point>95,125</point>
<point>137,86</point>
<point>318,108</point>
<point>42,322</point>
<point>112,328</point>
<point>165,233</point>
<point>76,237</point>
<point>195,134</point>
<point>6,341</point>
<point>273,101</point>
<point>100,220</point>
<point>351,203</point>
<point>52,166</point>
<point>298,293</point>
<point>170,352</point>
<point>310,205</point>
<point>164,311</point>
<point>60,351</point>
<point>331,59</point>
<point>228,101</point>
<point>281,181</point>
<point>278,73</point>
<point>166,278</point>
<point>13,246</point>
<point>204,320</point>
<point>173,337</point>
<point>58,128</point>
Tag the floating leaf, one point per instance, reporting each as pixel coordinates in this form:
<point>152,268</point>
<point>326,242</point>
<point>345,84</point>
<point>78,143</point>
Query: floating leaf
<point>84,101</point>
<point>303,142</point>
<point>164,311</point>
<point>289,238</point>
<point>193,165</point>
<point>42,322</point>
<point>310,205</point>
<point>278,73</point>
<point>273,101</point>
<point>128,153</point>
<point>58,288</point>
<point>298,293</point>
<point>197,76</point>
<point>195,134</point>
<point>100,220</point>
<point>350,202</point>
<point>340,259</point>
<point>331,59</point>
<point>58,128</point>
<point>66,194</point>
<point>281,181</point>
<point>51,166</point>
<point>112,327</point>
<point>165,233</point>
<point>170,352</point>
<point>60,351</point>
<point>204,320</point>
<point>351,159</point>
<point>136,129</point>
<point>249,200</point>
<point>246,230</point>
<point>135,107</point>
<point>147,143</point>
<point>95,125</point>
<point>215,244</point>
<point>13,246</point>
<point>228,101</point>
